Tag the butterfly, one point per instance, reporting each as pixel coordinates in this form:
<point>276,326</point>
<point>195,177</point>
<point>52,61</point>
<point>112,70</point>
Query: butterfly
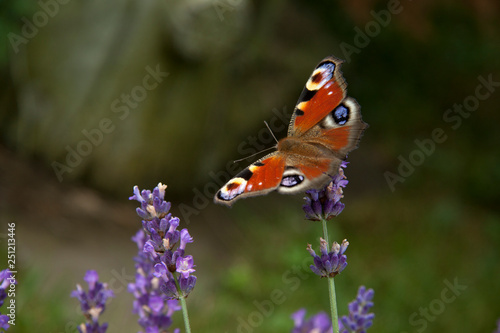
<point>325,126</point>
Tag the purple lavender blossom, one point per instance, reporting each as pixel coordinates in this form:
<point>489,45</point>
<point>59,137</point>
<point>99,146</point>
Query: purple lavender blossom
<point>154,308</point>
<point>185,266</point>
<point>163,270</point>
<point>359,319</point>
<point>93,302</point>
<point>329,264</point>
<point>6,278</point>
<point>4,322</point>
<point>325,204</point>
<point>319,323</point>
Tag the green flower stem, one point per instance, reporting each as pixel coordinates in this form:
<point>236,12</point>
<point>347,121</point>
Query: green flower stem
<point>333,305</point>
<point>325,231</point>
<point>184,307</point>
<point>331,288</point>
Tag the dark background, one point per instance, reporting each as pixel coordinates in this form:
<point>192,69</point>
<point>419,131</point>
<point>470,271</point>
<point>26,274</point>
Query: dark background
<point>421,208</point>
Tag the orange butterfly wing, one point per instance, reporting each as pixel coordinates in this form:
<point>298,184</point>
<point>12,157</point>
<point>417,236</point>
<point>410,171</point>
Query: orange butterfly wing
<point>259,178</point>
<point>324,91</point>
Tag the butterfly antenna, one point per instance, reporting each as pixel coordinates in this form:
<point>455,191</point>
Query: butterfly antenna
<point>271,131</point>
<point>269,128</point>
<point>257,153</point>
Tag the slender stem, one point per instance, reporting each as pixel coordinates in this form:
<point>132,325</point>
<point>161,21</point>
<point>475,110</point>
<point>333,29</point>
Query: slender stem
<point>333,305</point>
<point>331,288</point>
<point>185,314</point>
<point>183,306</point>
<point>325,231</point>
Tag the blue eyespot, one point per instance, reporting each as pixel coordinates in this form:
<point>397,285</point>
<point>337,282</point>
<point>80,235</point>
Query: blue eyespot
<point>292,180</point>
<point>340,115</point>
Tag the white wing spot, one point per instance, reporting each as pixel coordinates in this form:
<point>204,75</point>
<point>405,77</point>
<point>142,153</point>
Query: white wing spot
<point>229,194</point>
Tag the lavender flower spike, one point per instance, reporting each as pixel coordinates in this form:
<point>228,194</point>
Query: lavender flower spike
<point>92,302</point>
<point>164,243</point>
<point>154,308</point>
<point>164,272</point>
<point>329,264</point>
<point>359,319</point>
<point>325,204</point>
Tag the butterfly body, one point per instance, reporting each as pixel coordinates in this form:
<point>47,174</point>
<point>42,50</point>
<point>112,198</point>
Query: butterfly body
<point>325,126</point>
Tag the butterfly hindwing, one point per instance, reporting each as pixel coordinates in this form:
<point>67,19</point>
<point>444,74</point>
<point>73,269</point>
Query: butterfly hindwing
<point>324,91</point>
<point>259,178</point>
<point>340,130</point>
<point>305,172</point>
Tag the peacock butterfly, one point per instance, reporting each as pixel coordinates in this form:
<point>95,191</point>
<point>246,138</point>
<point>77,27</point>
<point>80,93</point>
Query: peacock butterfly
<point>325,126</point>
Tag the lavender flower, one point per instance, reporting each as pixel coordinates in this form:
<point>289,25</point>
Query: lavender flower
<point>325,204</point>
<point>6,278</point>
<point>319,323</point>
<point>329,264</point>
<point>154,308</point>
<point>359,319</point>
<point>4,322</point>
<point>92,302</point>
<point>357,322</point>
<point>164,272</point>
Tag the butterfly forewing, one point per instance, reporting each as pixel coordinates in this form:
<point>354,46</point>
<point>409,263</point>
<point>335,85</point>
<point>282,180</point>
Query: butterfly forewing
<point>259,178</point>
<point>324,91</point>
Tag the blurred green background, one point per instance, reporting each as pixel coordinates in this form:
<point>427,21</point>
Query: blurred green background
<point>99,96</point>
